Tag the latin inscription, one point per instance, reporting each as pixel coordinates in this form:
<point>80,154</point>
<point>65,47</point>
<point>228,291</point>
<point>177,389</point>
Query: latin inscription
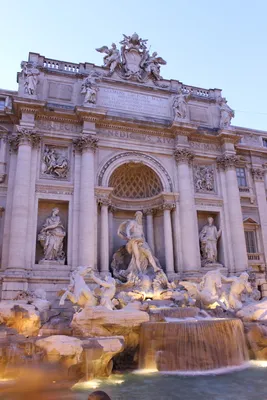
<point>136,136</point>
<point>133,102</point>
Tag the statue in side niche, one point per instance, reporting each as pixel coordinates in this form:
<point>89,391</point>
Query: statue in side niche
<point>208,237</point>
<point>51,238</point>
<point>30,74</point>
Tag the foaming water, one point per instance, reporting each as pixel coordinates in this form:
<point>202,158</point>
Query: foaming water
<point>192,345</point>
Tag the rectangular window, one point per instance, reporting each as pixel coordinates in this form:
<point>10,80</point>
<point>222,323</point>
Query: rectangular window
<point>241,177</point>
<point>251,242</point>
<point>264,142</point>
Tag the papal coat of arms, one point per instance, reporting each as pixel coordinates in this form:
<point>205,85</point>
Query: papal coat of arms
<point>133,60</point>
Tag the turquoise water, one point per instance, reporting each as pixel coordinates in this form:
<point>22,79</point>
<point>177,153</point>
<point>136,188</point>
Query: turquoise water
<point>248,384</point>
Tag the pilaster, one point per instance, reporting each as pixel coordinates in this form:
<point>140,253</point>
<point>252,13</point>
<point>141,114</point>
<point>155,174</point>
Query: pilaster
<point>258,174</point>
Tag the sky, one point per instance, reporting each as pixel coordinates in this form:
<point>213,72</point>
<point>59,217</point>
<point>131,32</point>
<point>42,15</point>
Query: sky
<point>206,43</point>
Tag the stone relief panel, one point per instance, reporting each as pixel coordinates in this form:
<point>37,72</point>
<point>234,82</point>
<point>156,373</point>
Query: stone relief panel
<point>204,180</point>
<point>55,163</point>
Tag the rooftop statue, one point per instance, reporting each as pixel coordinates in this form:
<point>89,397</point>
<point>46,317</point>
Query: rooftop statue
<point>180,107</point>
<point>112,58</point>
<point>133,61</point>
<point>30,75</point>
<point>226,113</point>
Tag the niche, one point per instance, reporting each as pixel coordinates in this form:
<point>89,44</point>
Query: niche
<point>202,217</point>
<point>45,208</point>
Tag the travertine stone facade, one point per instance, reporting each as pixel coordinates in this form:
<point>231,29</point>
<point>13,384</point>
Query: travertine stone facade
<point>99,144</point>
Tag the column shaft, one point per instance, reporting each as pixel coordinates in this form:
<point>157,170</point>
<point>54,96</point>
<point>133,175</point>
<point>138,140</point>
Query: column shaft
<point>258,175</point>
<point>188,217</point>
<point>228,162</point>
<point>104,240</point>
<point>110,230</point>
<point>87,217</point>
<point>150,231</point>
<point>168,241</point>
<point>20,208</point>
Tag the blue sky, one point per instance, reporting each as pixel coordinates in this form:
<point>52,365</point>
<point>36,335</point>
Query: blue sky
<point>206,43</point>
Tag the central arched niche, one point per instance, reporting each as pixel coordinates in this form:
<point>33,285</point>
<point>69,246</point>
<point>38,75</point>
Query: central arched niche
<point>135,181</point>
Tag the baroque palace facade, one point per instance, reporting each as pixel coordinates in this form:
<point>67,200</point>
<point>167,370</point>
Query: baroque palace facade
<point>84,147</point>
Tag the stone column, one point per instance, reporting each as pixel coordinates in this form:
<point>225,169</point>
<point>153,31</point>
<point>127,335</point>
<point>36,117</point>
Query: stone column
<point>104,236</point>
<point>110,229</point>
<point>258,176</point>
<point>228,163</point>
<point>168,240</point>
<point>150,229</point>
<point>3,142</point>
<point>87,145</point>
<point>22,142</point>
<point>188,216</point>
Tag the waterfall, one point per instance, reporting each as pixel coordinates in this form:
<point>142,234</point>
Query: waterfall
<point>192,345</point>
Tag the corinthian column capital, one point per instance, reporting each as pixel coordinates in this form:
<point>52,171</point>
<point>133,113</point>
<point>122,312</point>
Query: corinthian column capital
<point>258,174</point>
<point>24,136</point>
<point>85,143</point>
<point>183,155</point>
<point>227,161</point>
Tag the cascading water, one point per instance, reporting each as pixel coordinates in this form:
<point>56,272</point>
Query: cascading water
<point>192,345</point>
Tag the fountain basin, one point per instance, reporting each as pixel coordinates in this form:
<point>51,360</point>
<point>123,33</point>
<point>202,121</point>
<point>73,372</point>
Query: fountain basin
<point>197,345</point>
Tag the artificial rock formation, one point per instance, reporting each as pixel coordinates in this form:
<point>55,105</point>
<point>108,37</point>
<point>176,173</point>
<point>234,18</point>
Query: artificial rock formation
<point>92,356</point>
<point>255,311</point>
<point>25,318</point>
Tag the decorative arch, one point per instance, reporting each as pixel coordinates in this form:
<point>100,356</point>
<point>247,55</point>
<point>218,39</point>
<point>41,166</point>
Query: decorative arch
<point>134,157</point>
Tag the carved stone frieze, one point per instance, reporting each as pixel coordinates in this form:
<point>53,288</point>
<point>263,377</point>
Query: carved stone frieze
<point>183,156</point>
<point>55,163</point>
<point>85,142</point>
<point>204,178</point>
<point>24,136</point>
<point>258,174</point>
<point>227,161</point>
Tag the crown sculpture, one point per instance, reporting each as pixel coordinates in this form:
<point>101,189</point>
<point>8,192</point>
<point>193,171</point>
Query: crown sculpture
<point>133,60</point>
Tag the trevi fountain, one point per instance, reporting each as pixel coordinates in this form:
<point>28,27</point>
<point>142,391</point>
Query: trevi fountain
<point>133,234</point>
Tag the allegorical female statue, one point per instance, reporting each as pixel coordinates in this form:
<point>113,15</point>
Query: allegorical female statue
<point>208,237</point>
<point>51,238</point>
